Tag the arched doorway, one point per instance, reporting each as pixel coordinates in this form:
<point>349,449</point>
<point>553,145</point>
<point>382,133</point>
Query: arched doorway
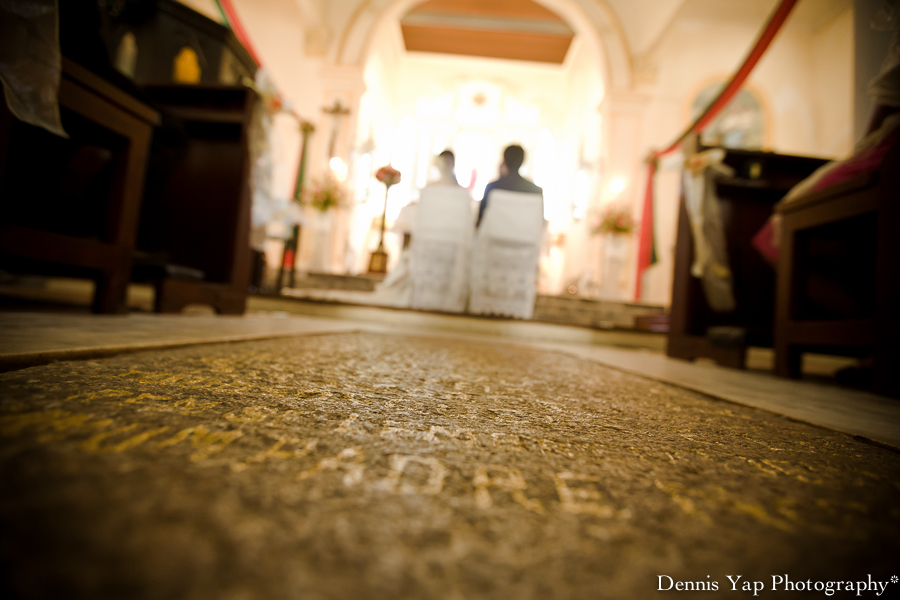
<point>418,104</point>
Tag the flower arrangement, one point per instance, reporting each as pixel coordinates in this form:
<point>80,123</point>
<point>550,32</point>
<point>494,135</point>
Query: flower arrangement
<point>325,193</point>
<point>616,220</point>
<point>388,175</point>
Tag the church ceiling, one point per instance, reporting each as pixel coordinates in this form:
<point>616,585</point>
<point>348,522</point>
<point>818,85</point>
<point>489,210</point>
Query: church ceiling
<point>510,29</point>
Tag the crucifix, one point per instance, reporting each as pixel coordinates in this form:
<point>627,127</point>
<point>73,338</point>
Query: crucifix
<point>337,111</point>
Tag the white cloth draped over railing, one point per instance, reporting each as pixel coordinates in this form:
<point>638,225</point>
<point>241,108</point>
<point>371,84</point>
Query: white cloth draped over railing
<point>710,249</point>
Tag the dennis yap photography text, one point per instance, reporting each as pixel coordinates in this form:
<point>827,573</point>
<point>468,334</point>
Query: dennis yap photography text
<point>779,583</point>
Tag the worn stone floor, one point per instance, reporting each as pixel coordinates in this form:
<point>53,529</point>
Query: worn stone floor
<point>33,337</point>
<point>383,465</point>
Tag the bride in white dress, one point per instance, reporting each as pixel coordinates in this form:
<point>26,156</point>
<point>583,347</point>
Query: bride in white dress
<point>432,274</point>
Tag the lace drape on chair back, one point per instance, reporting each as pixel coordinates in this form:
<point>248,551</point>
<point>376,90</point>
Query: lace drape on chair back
<point>440,248</point>
<point>505,255</point>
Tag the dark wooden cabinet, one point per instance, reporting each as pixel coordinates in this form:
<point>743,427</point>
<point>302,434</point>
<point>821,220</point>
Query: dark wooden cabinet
<point>747,200</point>
<point>201,219</point>
<point>79,207</point>
<point>162,32</point>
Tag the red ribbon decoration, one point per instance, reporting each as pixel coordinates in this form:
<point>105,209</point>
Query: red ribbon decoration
<point>645,239</point>
<point>646,256</point>
<point>239,32</point>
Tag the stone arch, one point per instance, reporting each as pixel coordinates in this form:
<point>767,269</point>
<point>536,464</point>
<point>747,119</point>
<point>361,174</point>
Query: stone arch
<point>594,21</point>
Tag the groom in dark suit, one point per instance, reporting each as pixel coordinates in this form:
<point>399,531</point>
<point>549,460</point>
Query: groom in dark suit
<point>510,180</point>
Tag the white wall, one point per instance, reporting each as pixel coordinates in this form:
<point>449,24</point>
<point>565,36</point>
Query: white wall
<point>379,114</point>
<point>583,137</point>
<point>832,63</point>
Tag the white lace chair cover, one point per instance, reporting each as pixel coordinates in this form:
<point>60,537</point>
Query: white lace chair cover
<point>505,255</point>
<point>439,249</point>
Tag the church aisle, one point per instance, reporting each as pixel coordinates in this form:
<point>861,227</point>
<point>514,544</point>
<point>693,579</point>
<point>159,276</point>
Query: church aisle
<point>367,465</point>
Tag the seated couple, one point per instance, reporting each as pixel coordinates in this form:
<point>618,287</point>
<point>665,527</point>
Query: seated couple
<point>449,266</point>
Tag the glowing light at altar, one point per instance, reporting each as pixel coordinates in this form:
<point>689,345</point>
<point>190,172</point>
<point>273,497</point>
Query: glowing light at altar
<point>617,185</point>
<point>547,173</point>
<point>478,105</point>
<point>479,152</point>
<point>362,176</point>
<point>521,115</point>
<point>581,193</point>
<point>339,168</point>
<point>403,158</point>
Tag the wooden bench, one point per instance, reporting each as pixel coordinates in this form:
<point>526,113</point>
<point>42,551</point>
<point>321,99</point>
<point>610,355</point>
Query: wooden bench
<point>838,285</point>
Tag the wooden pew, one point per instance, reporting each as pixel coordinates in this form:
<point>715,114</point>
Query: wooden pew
<point>839,275</point>
<point>71,207</point>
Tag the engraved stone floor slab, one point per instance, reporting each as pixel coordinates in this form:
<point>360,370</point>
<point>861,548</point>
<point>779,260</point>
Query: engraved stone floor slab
<point>367,465</point>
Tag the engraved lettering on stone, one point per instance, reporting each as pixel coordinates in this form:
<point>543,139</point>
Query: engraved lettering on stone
<point>204,441</point>
<point>507,479</point>
<point>401,464</point>
<point>349,424</point>
<point>95,442</point>
<point>53,424</point>
<point>507,439</point>
<point>579,494</point>
<point>88,396</point>
<point>252,414</point>
<point>276,451</point>
<point>348,460</point>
